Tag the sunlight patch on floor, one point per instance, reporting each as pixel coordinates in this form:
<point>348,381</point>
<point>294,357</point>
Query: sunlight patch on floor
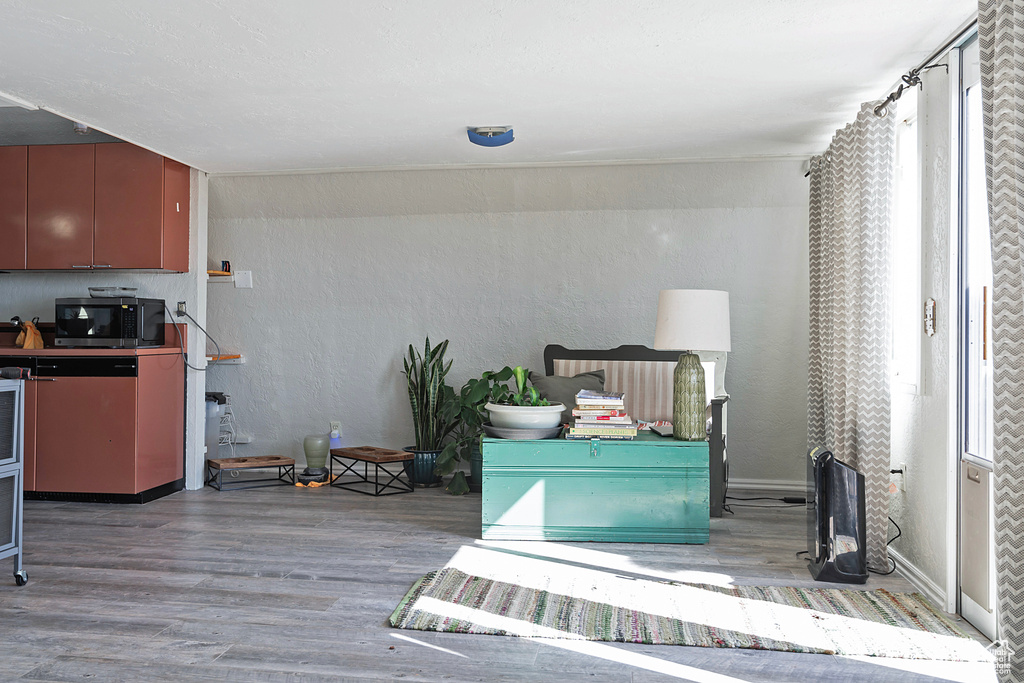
<point>605,560</point>
<point>806,628</point>
<point>959,672</point>
<point>445,650</point>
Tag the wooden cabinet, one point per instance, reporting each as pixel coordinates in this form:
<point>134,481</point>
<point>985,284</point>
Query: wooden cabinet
<point>13,206</point>
<point>60,206</point>
<point>85,435</point>
<point>141,209</point>
<point>30,436</point>
<point>108,428</point>
<point>649,490</point>
<point>111,205</point>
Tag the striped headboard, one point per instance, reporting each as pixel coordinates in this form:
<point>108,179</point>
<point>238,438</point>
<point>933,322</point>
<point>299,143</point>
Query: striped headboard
<point>644,375</point>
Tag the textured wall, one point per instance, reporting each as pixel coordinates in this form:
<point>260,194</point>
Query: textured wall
<point>30,294</point>
<point>351,268</point>
<point>923,425</point>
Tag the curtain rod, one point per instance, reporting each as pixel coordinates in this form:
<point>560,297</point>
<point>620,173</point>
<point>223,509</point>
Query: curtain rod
<point>913,77</point>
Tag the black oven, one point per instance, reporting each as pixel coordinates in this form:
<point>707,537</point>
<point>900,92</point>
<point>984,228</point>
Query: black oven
<point>109,322</point>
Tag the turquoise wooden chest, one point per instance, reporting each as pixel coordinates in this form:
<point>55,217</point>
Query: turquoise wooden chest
<point>649,490</point>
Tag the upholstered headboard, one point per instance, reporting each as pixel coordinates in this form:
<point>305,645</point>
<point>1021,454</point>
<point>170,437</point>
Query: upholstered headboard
<point>643,374</point>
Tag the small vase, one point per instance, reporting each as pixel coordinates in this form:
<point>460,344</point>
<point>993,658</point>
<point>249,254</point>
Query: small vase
<point>688,399</point>
<point>316,447</point>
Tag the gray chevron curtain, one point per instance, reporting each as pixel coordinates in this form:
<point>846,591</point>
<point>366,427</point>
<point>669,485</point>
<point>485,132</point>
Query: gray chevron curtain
<point>850,302</point>
<point>1001,39</point>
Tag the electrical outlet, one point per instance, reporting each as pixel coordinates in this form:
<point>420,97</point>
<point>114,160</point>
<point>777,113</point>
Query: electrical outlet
<point>336,427</point>
<point>181,308</point>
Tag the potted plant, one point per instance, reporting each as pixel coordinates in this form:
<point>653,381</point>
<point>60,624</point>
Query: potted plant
<point>435,410</point>
<point>523,408</point>
<point>478,399</point>
<point>465,446</point>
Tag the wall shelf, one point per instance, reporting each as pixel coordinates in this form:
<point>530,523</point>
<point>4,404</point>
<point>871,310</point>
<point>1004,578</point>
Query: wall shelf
<point>225,359</point>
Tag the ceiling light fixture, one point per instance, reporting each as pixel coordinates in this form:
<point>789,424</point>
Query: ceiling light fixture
<point>490,136</point>
<point>80,128</point>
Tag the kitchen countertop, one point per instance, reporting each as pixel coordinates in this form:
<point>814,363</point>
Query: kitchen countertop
<point>84,351</point>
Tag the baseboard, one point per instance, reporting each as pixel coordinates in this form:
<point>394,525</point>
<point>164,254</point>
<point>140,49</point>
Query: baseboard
<point>911,573</point>
<point>787,486</point>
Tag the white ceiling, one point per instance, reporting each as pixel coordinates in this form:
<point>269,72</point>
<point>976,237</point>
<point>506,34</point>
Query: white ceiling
<point>237,86</point>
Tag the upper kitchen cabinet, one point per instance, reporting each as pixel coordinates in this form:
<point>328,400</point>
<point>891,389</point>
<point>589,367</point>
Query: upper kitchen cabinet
<point>13,209</point>
<point>141,209</point>
<point>109,205</point>
<point>60,206</point>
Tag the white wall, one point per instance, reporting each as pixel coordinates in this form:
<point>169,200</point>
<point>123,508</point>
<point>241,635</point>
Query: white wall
<point>350,268</point>
<point>923,425</point>
<point>30,294</point>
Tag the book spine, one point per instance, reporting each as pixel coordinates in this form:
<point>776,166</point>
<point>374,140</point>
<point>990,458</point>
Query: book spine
<point>574,431</point>
<point>604,420</point>
<point>603,405</point>
<point>582,437</point>
<point>610,412</point>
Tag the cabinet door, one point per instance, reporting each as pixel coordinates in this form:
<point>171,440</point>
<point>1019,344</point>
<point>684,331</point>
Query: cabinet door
<point>30,436</point>
<point>13,206</point>
<point>60,205</point>
<point>85,435</point>
<point>176,216</point>
<point>129,216</point>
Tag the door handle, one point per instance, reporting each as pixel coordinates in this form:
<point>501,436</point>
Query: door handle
<point>974,474</point>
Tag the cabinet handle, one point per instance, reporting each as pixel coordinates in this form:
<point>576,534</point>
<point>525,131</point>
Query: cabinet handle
<point>47,366</point>
<point>98,265</point>
<point>42,379</point>
<point>81,266</point>
<point>124,366</point>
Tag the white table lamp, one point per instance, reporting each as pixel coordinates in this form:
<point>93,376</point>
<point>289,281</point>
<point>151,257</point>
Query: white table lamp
<point>691,320</point>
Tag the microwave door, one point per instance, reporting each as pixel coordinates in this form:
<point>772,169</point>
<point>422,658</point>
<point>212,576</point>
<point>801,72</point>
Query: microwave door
<point>89,325</point>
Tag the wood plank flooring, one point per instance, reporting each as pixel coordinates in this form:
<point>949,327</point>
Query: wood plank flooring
<point>286,583</point>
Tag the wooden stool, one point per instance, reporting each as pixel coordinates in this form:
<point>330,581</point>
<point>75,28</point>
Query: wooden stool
<point>367,455</point>
<point>215,469</point>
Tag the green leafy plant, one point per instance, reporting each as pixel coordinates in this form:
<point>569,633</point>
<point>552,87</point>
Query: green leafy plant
<point>435,408</point>
<point>490,387</point>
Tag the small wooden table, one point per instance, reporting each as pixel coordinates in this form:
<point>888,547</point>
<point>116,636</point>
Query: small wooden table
<point>215,469</point>
<point>368,455</point>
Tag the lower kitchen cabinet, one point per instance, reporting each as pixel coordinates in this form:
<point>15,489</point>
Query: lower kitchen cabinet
<point>108,428</point>
<point>88,444</point>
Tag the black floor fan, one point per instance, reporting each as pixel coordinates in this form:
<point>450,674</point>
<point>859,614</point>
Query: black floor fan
<point>835,519</point>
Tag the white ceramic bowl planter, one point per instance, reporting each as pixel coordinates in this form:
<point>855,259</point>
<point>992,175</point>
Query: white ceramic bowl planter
<point>525,417</point>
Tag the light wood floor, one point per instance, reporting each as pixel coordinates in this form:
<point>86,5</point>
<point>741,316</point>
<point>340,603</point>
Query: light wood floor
<point>284,583</point>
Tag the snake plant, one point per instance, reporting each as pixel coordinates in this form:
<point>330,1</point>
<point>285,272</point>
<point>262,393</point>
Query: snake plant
<point>435,408</point>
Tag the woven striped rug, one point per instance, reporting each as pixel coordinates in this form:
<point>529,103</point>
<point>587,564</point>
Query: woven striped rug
<point>816,620</point>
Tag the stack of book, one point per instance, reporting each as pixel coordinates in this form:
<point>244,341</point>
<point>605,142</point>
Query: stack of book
<point>601,415</point>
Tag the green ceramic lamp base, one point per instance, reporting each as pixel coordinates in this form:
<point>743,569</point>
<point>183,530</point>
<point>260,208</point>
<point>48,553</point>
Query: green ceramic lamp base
<point>688,399</point>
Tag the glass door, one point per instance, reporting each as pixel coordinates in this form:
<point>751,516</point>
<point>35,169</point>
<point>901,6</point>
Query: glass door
<point>976,533</point>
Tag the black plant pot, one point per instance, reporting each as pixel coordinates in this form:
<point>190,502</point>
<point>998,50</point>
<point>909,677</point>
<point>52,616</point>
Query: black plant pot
<point>476,469</point>
<point>420,469</point>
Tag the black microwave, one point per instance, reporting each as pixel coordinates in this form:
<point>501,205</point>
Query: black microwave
<point>115,323</point>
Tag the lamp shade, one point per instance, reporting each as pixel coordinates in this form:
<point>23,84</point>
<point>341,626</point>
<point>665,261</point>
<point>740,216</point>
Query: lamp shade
<point>692,320</point>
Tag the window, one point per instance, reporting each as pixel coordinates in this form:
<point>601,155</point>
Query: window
<point>906,280</point>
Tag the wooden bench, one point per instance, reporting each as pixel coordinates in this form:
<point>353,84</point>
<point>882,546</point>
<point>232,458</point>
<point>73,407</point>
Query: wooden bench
<point>216,467</point>
<point>378,457</point>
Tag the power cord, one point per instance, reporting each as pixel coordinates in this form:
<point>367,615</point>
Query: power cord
<point>181,342</point>
<point>899,532</point>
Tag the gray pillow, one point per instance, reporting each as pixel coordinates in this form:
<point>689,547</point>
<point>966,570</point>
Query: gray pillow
<point>564,389</point>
